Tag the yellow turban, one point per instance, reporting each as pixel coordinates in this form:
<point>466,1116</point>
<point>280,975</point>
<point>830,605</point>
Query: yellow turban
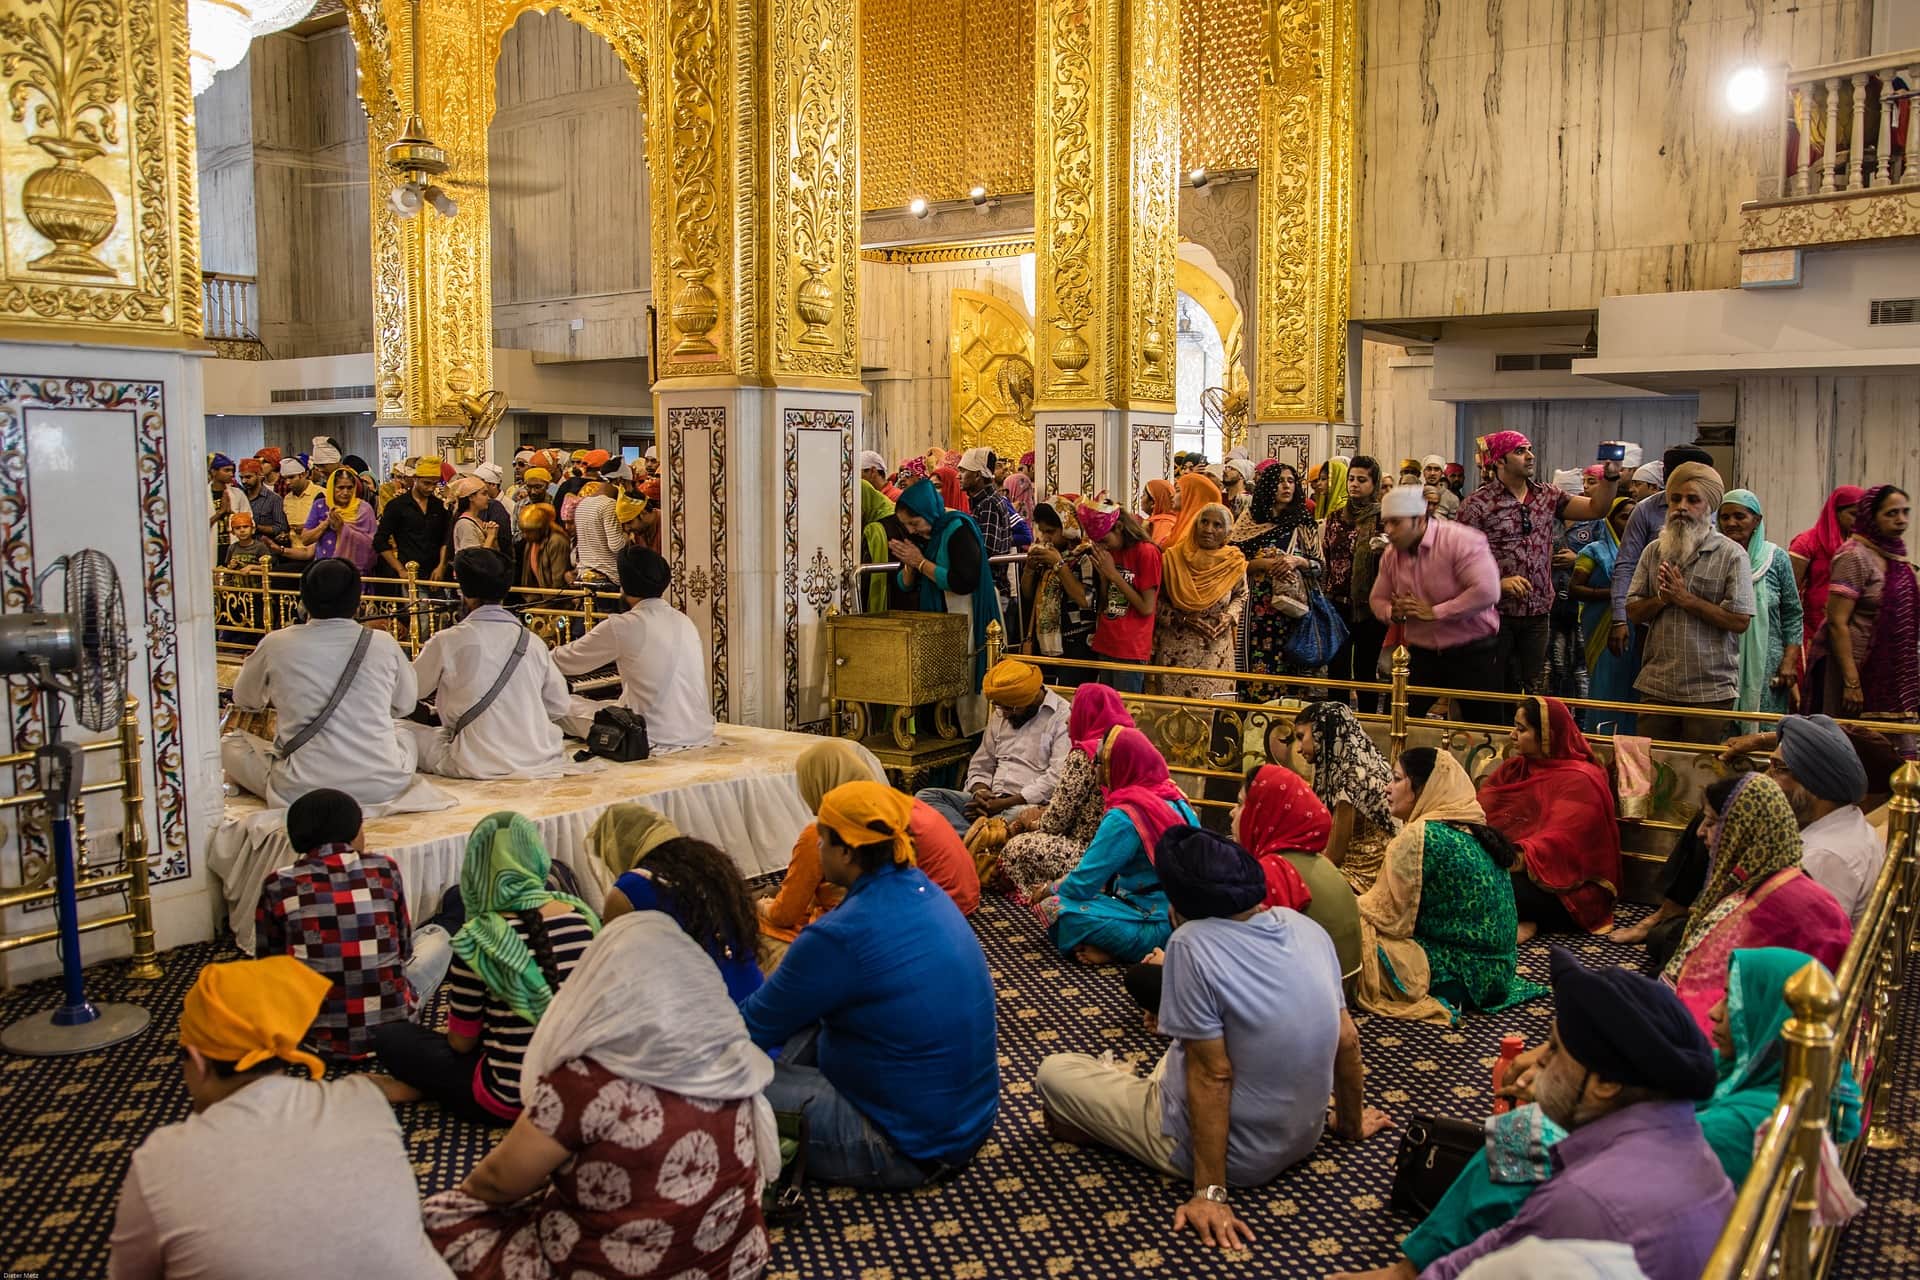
<point>627,509</point>
<point>862,813</point>
<point>537,475</point>
<point>1012,683</point>
<point>248,1011</point>
<point>539,515</point>
<point>428,468</point>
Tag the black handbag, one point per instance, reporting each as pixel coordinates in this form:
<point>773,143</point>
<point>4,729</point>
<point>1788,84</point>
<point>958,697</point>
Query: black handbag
<point>618,734</point>
<point>1433,1151</point>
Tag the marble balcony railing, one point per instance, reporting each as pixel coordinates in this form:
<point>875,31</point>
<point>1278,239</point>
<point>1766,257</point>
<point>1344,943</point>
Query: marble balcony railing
<point>1847,160</point>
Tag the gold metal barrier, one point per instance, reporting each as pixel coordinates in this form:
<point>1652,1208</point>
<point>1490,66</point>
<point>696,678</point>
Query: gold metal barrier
<point>1850,1019</point>
<point>130,878</point>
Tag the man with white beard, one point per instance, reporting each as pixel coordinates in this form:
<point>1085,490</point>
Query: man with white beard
<point>1693,591</point>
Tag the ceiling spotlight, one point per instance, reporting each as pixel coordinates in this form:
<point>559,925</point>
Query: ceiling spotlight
<point>1198,177</point>
<point>978,195</point>
<point>1747,90</point>
<point>442,202</point>
<point>917,207</point>
<point>404,200</point>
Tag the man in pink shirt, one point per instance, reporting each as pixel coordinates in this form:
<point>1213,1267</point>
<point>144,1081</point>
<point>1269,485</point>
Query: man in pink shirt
<point>1439,588</point>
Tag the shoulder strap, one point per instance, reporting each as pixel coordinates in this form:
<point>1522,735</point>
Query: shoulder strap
<point>512,664</point>
<point>340,687</point>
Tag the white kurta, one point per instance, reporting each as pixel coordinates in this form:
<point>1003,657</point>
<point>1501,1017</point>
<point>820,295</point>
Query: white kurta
<point>663,674</point>
<point>358,751</point>
<point>516,737</point>
<point>1843,853</point>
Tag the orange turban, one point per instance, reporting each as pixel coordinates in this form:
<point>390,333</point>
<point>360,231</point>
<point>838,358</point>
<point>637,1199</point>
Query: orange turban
<point>1012,683</point>
<point>248,1011</point>
<point>863,813</point>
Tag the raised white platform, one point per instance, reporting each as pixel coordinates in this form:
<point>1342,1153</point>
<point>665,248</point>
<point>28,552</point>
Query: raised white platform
<point>740,796</point>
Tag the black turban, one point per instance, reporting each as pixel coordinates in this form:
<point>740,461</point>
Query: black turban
<point>330,588</point>
<point>643,572</point>
<point>322,817</point>
<point>1821,758</point>
<point>1207,875</point>
<point>1630,1029</point>
<point>483,574</point>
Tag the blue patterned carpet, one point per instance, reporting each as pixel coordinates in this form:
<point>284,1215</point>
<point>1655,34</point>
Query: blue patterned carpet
<point>1027,1208</point>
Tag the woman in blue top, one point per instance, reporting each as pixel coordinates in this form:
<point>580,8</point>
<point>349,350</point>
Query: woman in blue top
<point>701,890</point>
<point>947,559</point>
<point>1111,907</point>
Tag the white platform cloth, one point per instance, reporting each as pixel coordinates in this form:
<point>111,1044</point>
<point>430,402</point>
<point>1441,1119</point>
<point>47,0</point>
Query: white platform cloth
<point>740,795</point>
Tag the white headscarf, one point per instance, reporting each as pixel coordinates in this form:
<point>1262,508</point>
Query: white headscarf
<point>323,451</point>
<point>649,1005</point>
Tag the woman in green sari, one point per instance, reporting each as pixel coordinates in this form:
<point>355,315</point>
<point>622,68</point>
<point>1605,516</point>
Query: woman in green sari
<point>1746,1035</point>
<point>875,506</point>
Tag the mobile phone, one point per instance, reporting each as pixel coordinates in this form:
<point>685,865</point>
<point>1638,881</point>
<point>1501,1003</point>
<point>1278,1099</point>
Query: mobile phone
<point>1611,451</point>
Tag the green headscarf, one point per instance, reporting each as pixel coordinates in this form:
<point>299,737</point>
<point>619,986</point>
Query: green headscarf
<point>1756,641</point>
<point>627,832</point>
<point>875,506</point>
<point>506,871</point>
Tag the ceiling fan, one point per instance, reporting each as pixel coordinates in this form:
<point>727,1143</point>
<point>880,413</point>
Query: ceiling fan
<point>1588,348</point>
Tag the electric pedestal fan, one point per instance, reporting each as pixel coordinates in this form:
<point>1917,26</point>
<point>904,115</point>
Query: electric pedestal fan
<point>79,654</point>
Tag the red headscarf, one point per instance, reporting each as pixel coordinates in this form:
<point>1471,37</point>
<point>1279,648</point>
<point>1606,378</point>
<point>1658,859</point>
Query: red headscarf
<point>1096,710</point>
<point>1559,812</point>
<point>1134,780</point>
<point>1281,815</point>
<point>948,478</point>
<point>1818,546</point>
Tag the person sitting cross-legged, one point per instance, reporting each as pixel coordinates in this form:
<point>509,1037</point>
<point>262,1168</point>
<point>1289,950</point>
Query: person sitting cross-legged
<point>1020,756</point>
<point>208,1197</point>
<point>1624,1067</point>
<point>883,1011</point>
<point>1252,1000</point>
<point>658,653</point>
<point>494,685</point>
<point>342,912</point>
<point>336,687</point>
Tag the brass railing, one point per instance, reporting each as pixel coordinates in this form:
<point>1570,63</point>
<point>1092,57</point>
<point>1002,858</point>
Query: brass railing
<point>92,881</point>
<point>1850,1020</point>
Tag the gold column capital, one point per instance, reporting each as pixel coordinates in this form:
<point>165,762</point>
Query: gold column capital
<point>1306,200</point>
<point>100,224</point>
<point>1106,160</point>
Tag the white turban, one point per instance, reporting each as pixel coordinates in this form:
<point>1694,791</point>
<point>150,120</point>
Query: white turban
<point>871,461</point>
<point>1569,479</point>
<point>975,459</point>
<point>1633,458</point>
<point>1404,500</point>
<point>525,455</point>
<point>488,472</point>
<point>1652,473</point>
<point>652,454</point>
<point>1433,460</point>
<point>1244,465</point>
<point>323,451</point>
<point>292,467</point>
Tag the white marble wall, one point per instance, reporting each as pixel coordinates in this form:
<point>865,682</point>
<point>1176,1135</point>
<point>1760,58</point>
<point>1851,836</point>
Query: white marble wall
<point>1398,419</point>
<point>1539,155</point>
<point>1799,437</point>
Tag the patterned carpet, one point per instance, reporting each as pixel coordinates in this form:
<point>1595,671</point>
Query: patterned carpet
<point>1026,1208</point>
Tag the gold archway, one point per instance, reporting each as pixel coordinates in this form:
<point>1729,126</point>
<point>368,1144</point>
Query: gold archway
<point>990,371</point>
<point>1204,288</point>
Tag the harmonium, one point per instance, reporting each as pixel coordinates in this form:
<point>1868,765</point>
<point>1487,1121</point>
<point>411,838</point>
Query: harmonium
<point>906,661</point>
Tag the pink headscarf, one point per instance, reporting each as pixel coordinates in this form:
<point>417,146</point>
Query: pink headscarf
<point>1097,522</point>
<point>1134,780</point>
<point>1502,443</point>
<point>1096,709</point>
<point>1019,491</point>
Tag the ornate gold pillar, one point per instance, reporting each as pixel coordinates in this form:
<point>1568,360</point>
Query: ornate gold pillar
<point>1106,218</point>
<point>754,153</point>
<point>1306,206</point>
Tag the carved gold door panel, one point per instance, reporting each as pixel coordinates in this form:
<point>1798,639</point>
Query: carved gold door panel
<point>990,368</point>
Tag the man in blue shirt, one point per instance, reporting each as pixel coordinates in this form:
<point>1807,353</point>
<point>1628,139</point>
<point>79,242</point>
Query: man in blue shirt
<point>1261,984</point>
<point>883,1011</point>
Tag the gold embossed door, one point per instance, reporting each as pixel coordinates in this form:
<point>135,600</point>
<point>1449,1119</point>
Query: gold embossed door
<point>990,368</point>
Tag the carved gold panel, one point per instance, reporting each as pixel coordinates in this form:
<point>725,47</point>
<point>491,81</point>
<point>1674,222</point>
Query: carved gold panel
<point>1306,195</point>
<point>990,370</point>
<point>100,227</point>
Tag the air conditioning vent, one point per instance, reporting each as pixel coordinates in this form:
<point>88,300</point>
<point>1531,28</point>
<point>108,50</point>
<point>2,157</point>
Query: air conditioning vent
<point>1894,311</point>
<point>297,395</point>
<point>1561,364</point>
<point>1515,364</point>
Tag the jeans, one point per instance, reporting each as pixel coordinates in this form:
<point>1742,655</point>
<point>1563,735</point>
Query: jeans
<point>1521,655</point>
<point>843,1147</point>
<point>432,956</point>
<point>949,804</point>
<point>1121,681</point>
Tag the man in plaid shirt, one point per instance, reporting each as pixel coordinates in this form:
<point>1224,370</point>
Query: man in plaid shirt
<point>342,912</point>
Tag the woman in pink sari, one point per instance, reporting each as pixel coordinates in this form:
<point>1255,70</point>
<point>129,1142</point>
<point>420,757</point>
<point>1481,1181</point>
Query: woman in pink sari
<point>342,525</point>
<point>1756,895</point>
<point>1812,554</point>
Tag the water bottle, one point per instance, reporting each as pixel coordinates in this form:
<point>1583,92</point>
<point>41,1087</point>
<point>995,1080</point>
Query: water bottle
<point>1510,1048</point>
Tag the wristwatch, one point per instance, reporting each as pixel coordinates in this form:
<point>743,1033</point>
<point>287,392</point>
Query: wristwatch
<point>1216,1194</point>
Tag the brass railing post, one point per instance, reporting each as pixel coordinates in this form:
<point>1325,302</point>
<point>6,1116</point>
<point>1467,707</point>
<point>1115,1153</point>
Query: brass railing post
<point>1904,818</point>
<point>586,609</point>
<point>133,847</point>
<point>266,598</point>
<point>412,575</point>
<point>1810,1048</point>
<point>996,644</point>
<point>1397,730</point>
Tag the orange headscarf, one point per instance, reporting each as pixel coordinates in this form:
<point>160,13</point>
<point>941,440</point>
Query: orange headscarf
<point>1163,517</point>
<point>248,1011</point>
<point>1196,580</point>
<point>867,813</point>
<point>1197,490</point>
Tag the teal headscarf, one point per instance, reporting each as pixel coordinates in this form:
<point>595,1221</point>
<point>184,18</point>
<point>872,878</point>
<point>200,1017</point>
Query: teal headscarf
<point>506,871</point>
<point>1756,642</point>
<point>922,499</point>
